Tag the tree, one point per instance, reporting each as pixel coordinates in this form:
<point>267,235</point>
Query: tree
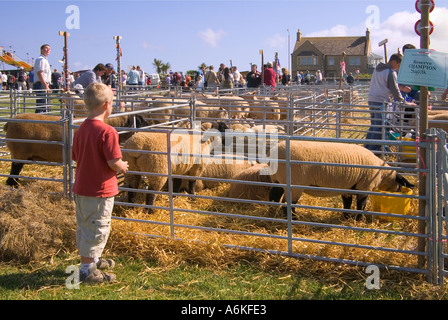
<point>202,65</point>
<point>165,67</point>
<point>158,65</point>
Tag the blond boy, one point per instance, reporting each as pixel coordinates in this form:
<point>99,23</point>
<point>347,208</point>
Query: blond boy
<point>98,158</point>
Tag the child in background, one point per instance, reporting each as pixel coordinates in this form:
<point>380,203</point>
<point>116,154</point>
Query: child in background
<point>98,158</point>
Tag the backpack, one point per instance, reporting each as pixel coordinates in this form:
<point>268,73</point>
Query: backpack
<point>20,76</point>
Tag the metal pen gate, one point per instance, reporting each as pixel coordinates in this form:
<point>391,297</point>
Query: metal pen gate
<point>435,235</point>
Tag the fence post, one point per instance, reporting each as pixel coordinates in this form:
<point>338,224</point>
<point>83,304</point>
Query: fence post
<point>170,182</point>
<point>288,191</point>
<point>71,175</point>
<point>442,170</point>
<point>432,232</point>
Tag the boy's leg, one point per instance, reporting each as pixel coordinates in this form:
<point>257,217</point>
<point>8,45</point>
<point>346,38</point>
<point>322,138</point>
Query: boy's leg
<point>93,218</point>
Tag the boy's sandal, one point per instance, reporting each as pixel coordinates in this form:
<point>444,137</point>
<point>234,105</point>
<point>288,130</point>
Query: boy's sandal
<point>105,263</point>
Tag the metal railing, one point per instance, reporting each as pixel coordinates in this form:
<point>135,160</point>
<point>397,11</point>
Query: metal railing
<point>319,117</point>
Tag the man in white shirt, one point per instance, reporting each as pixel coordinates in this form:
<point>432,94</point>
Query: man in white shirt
<point>42,78</point>
<point>236,76</point>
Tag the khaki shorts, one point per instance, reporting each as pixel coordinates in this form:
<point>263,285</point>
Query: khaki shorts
<point>93,217</point>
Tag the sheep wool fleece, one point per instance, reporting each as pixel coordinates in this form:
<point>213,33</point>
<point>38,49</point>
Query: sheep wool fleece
<point>333,176</point>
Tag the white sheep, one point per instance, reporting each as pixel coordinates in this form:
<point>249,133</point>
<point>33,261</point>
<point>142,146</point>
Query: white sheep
<point>189,161</point>
<point>334,176</point>
<point>223,166</point>
<point>181,108</point>
<point>251,191</point>
<point>438,120</point>
<point>235,106</point>
<point>47,132</point>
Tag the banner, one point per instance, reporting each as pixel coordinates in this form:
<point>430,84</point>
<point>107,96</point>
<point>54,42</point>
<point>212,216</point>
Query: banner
<point>422,67</point>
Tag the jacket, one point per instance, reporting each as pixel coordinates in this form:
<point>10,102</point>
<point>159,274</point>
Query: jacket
<point>384,84</point>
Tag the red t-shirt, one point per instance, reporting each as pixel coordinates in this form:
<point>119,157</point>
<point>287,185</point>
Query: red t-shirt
<point>94,144</point>
<point>269,77</point>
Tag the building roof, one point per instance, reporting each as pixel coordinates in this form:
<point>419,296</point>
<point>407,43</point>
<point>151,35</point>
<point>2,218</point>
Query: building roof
<point>356,46</point>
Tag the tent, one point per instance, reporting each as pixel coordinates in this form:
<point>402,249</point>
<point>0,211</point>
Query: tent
<point>7,58</point>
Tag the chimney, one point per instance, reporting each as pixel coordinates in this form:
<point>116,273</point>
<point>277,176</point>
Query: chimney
<point>299,36</point>
<point>368,48</point>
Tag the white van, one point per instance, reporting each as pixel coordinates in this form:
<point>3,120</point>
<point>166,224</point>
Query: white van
<point>155,79</point>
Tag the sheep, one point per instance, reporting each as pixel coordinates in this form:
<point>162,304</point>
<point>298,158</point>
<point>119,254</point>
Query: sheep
<point>439,120</point>
<point>223,166</point>
<point>46,132</point>
<point>334,176</point>
<point>251,191</point>
<point>237,107</point>
<point>202,110</point>
<point>79,107</point>
<point>183,143</point>
<point>263,108</point>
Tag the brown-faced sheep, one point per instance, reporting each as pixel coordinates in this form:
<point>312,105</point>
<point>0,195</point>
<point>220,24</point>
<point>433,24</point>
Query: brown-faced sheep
<point>189,146</point>
<point>335,176</point>
<point>44,131</point>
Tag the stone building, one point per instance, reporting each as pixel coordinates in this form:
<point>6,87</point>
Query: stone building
<point>325,54</point>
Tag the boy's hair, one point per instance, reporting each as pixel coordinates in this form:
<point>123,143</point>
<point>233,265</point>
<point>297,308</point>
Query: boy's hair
<point>96,95</point>
<point>397,57</point>
<point>100,67</point>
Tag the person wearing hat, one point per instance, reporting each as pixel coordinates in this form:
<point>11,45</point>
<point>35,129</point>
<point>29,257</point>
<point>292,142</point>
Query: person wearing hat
<point>269,75</point>
<point>109,77</point>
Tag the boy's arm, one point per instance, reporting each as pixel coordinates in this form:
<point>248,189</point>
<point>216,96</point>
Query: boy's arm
<point>118,165</point>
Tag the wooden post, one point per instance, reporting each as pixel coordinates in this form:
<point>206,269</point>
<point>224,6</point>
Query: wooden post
<point>423,125</point>
<point>120,84</point>
<point>65,34</point>
<point>262,67</point>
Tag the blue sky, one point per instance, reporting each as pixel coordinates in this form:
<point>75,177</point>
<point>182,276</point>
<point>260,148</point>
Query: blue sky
<point>187,33</point>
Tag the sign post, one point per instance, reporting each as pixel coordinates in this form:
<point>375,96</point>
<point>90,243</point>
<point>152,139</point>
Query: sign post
<point>65,34</point>
<point>424,7</point>
<point>383,43</point>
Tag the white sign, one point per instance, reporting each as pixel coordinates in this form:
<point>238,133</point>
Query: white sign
<point>418,5</point>
<point>424,67</point>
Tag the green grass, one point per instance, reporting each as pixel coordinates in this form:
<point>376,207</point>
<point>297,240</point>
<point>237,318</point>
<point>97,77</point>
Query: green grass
<point>144,280</point>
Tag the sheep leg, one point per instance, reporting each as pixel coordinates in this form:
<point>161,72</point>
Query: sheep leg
<point>177,184</point>
<point>134,183</point>
<point>347,203</point>
<point>276,194</point>
<point>361,201</point>
<point>16,167</point>
<point>150,199</point>
<point>191,186</point>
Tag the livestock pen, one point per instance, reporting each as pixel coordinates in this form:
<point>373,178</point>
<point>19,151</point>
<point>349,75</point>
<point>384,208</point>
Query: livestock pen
<point>318,229</point>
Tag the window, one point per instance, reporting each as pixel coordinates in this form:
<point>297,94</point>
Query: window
<point>331,61</point>
<point>354,61</point>
<point>307,61</point>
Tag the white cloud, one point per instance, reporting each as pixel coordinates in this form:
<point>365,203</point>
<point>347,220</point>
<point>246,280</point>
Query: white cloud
<point>276,41</point>
<point>211,37</point>
<point>148,46</point>
<point>77,66</point>
<point>398,29</point>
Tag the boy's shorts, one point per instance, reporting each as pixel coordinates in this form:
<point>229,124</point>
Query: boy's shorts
<point>93,217</point>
